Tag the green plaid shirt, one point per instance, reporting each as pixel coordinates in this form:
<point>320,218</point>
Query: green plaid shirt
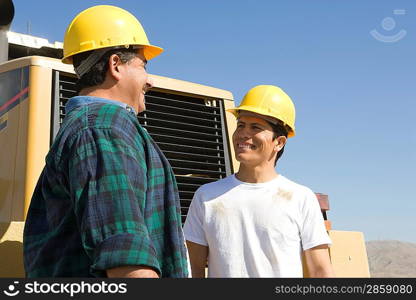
<point>107,197</point>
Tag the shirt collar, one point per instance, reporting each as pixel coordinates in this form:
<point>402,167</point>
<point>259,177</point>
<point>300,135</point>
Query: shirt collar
<point>84,100</point>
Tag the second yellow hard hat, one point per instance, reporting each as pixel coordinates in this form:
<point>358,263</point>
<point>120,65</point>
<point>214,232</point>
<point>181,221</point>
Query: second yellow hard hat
<point>105,26</point>
<point>271,101</point>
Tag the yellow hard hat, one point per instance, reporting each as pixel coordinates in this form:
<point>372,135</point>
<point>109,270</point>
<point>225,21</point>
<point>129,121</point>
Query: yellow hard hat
<point>270,101</point>
<point>105,26</point>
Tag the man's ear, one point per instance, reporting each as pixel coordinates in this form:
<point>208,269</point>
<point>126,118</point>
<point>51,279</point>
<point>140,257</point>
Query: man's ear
<point>114,63</point>
<point>280,142</point>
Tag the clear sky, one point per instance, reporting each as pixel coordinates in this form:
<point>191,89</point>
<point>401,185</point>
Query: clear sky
<point>354,92</point>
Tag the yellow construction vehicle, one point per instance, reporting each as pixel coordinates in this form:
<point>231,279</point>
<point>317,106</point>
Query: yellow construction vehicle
<point>187,120</point>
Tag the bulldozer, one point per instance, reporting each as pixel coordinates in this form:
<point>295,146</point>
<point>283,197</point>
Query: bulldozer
<point>187,120</point>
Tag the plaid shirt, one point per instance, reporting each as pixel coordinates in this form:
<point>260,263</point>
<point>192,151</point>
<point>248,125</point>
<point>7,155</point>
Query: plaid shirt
<point>107,197</point>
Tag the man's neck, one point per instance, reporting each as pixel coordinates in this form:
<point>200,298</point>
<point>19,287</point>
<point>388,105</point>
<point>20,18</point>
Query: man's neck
<point>256,174</point>
<point>98,92</point>
<point>106,93</point>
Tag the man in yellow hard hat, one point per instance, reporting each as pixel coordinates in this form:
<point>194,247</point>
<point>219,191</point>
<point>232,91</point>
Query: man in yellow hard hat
<point>258,223</point>
<point>106,203</point>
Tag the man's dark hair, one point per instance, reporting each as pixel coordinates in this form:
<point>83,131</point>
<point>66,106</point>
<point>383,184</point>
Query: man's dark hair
<point>279,129</point>
<point>96,75</point>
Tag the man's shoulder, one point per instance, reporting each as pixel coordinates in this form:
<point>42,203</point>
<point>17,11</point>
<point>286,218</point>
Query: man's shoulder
<point>294,187</point>
<point>215,188</point>
<point>103,115</point>
<point>87,122</point>
<point>97,117</point>
<point>226,181</point>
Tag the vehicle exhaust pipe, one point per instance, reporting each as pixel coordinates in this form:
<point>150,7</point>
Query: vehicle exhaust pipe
<point>6,17</point>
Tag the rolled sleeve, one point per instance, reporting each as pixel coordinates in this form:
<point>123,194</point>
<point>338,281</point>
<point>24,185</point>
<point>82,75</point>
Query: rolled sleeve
<point>124,250</point>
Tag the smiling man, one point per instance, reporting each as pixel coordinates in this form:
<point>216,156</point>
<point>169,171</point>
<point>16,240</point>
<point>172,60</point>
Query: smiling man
<point>258,223</point>
<point>106,203</point>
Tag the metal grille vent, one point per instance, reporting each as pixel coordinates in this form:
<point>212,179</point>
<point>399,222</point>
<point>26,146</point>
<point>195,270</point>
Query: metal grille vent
<point>189,130</point>
<point>64,89</point>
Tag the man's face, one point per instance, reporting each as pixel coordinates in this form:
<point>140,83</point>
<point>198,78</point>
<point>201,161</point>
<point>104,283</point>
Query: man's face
<point>253,141</point>
<point>136,82</point>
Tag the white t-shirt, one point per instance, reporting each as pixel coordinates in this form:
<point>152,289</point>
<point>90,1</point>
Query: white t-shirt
<point>255,229</point>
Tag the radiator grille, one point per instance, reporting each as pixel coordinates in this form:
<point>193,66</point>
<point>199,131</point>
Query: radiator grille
<point>188,129</point>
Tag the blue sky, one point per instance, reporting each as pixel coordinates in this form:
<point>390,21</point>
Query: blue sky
<point>355,94</point>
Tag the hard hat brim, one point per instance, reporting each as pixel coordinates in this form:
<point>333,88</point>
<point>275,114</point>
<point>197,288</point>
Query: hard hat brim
<point>235,111</point>
<point>149,52</point>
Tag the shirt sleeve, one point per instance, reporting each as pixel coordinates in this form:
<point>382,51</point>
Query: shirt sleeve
<point>313,231</point>
<point>107,178</point>
<point>194,224</point>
